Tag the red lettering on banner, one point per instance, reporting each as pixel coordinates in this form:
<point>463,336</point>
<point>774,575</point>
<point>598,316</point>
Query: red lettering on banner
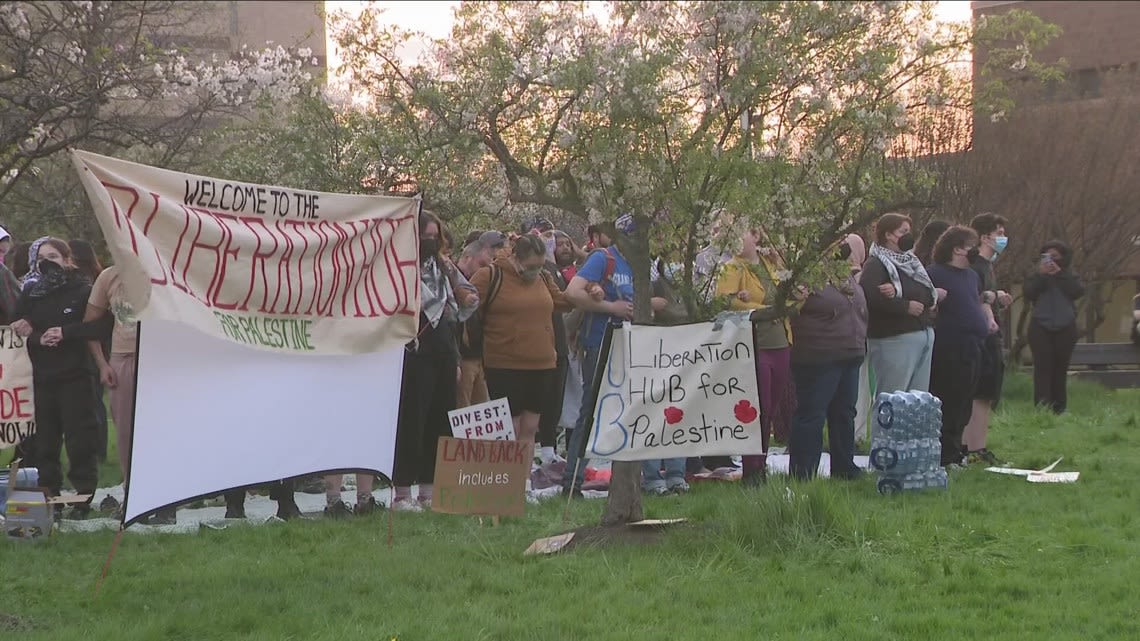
<point>396,270</point>
<point>14,403</point>
<point>287,259</point>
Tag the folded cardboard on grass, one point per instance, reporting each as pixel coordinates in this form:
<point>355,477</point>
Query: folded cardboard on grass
<point>30,511</point>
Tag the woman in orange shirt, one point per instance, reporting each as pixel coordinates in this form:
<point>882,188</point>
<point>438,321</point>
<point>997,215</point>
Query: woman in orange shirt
<point>519,357</point>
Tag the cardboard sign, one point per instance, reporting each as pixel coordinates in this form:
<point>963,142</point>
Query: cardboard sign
<point>475,476</point>
<point>489,421</point>
<point>29,516</point>
<point>17,405</point>
<point>668,392</point>
<point>550,544</point>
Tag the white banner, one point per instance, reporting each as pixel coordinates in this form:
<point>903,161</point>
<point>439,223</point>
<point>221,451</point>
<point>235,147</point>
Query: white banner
<point>17,405</point>
<point>211,415</point>
<point>270,267</point>
<point>490,421</point>
<point>681,391</point>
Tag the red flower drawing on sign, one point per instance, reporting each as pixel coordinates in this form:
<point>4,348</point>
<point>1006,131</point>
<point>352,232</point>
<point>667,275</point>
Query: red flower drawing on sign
<point>745,413</point>
<point>673,415</point>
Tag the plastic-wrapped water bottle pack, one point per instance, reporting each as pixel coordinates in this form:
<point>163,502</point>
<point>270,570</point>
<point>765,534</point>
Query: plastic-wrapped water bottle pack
<point>907,448</point>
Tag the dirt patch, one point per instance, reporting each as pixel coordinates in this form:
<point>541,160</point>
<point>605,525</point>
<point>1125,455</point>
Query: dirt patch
<point>13,623</point>
<point>600,536</point>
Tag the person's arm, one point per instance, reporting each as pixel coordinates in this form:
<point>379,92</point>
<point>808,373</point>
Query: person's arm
<point>106,373</point>
<point>1034,286</point>
<point>592,271</point>
<point>481,281</point>
<point>1069,284</point>
<point>561,305</point>
<point>578,296</point>
<point>875,274</point>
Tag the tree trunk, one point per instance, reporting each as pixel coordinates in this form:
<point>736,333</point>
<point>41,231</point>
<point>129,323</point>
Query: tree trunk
<point>624,502</point>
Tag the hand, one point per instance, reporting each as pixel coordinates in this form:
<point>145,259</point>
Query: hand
<point>993,326</point>
<point>1004,299</point>
<point>22,328</point>
<point>51,337</point>
<point>887,289</point>
<point>941,294</point>
<point>595,291</point>
<point>915,308</point>
<point>621,309</point>
<point>107,377</point>
<point>743,296</point>
<point>658,304</point>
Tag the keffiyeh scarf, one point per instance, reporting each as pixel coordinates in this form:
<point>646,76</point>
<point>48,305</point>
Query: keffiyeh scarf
<point>909,264</point>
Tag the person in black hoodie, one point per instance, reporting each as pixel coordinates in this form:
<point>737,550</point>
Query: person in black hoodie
<point>50,312</point>
<point>1053,289</point>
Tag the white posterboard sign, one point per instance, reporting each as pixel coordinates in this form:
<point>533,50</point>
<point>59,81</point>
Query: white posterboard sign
<point>490,421</point>
<point>668,392</point>
<point>17,405</point>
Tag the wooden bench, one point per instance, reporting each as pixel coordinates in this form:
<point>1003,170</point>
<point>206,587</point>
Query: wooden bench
<point>1114,365</point>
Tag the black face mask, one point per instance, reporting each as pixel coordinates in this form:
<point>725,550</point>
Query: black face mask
<point>844,252</point>
<point>428,247</point>
<point>906,243</point>
<point>47,266</point>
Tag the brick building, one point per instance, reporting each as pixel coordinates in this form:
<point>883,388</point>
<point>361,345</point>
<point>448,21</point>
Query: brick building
<point>1068,160</point>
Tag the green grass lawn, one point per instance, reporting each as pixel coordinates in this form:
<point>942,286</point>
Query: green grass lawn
<point>995,557</point>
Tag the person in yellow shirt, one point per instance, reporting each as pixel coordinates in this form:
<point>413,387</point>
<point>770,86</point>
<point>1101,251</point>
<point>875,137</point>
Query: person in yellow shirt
<point>750,282</point>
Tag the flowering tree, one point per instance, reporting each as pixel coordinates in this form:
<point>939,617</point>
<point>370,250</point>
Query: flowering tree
<point>93,74</point>
<point>690,115</point>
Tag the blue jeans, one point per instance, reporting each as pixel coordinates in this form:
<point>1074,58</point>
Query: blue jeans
<point>825,392</point>
<point>651,478</point>
<point>570,480</point>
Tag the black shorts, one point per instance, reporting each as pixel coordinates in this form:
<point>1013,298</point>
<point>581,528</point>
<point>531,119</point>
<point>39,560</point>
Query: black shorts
<point>992,370</point>
<point>525,389</point>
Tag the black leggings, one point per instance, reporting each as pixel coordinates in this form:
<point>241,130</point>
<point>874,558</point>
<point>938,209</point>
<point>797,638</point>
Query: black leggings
<point>954,379</point>
<point>427,395</point>
<point>552,408</point>
<point>65,415</point>
<point>1052,351</point>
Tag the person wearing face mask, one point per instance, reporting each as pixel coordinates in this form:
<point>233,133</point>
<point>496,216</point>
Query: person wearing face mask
<point>992,242</point>
<point>960,330</point>
<point>519,351</point>
<point>901,299</point>
<point>1054,290</point>
<point>50,316</point>
<point>430,380</point>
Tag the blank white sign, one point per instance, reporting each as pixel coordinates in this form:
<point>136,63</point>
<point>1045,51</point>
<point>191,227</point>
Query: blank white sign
<point>211,415</point>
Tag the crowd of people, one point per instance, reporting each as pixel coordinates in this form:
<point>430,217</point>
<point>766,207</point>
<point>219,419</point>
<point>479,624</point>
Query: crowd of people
<point>523,316</point>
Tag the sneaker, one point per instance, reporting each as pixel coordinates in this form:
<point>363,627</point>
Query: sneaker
<point>338,510</point>
<point>406,505</point>
<point>657,490</point>
<point>982,456</point>
<point>366,505</point>
<point>679,488</point>
<point>425,502</point>
<point>109,504</point>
